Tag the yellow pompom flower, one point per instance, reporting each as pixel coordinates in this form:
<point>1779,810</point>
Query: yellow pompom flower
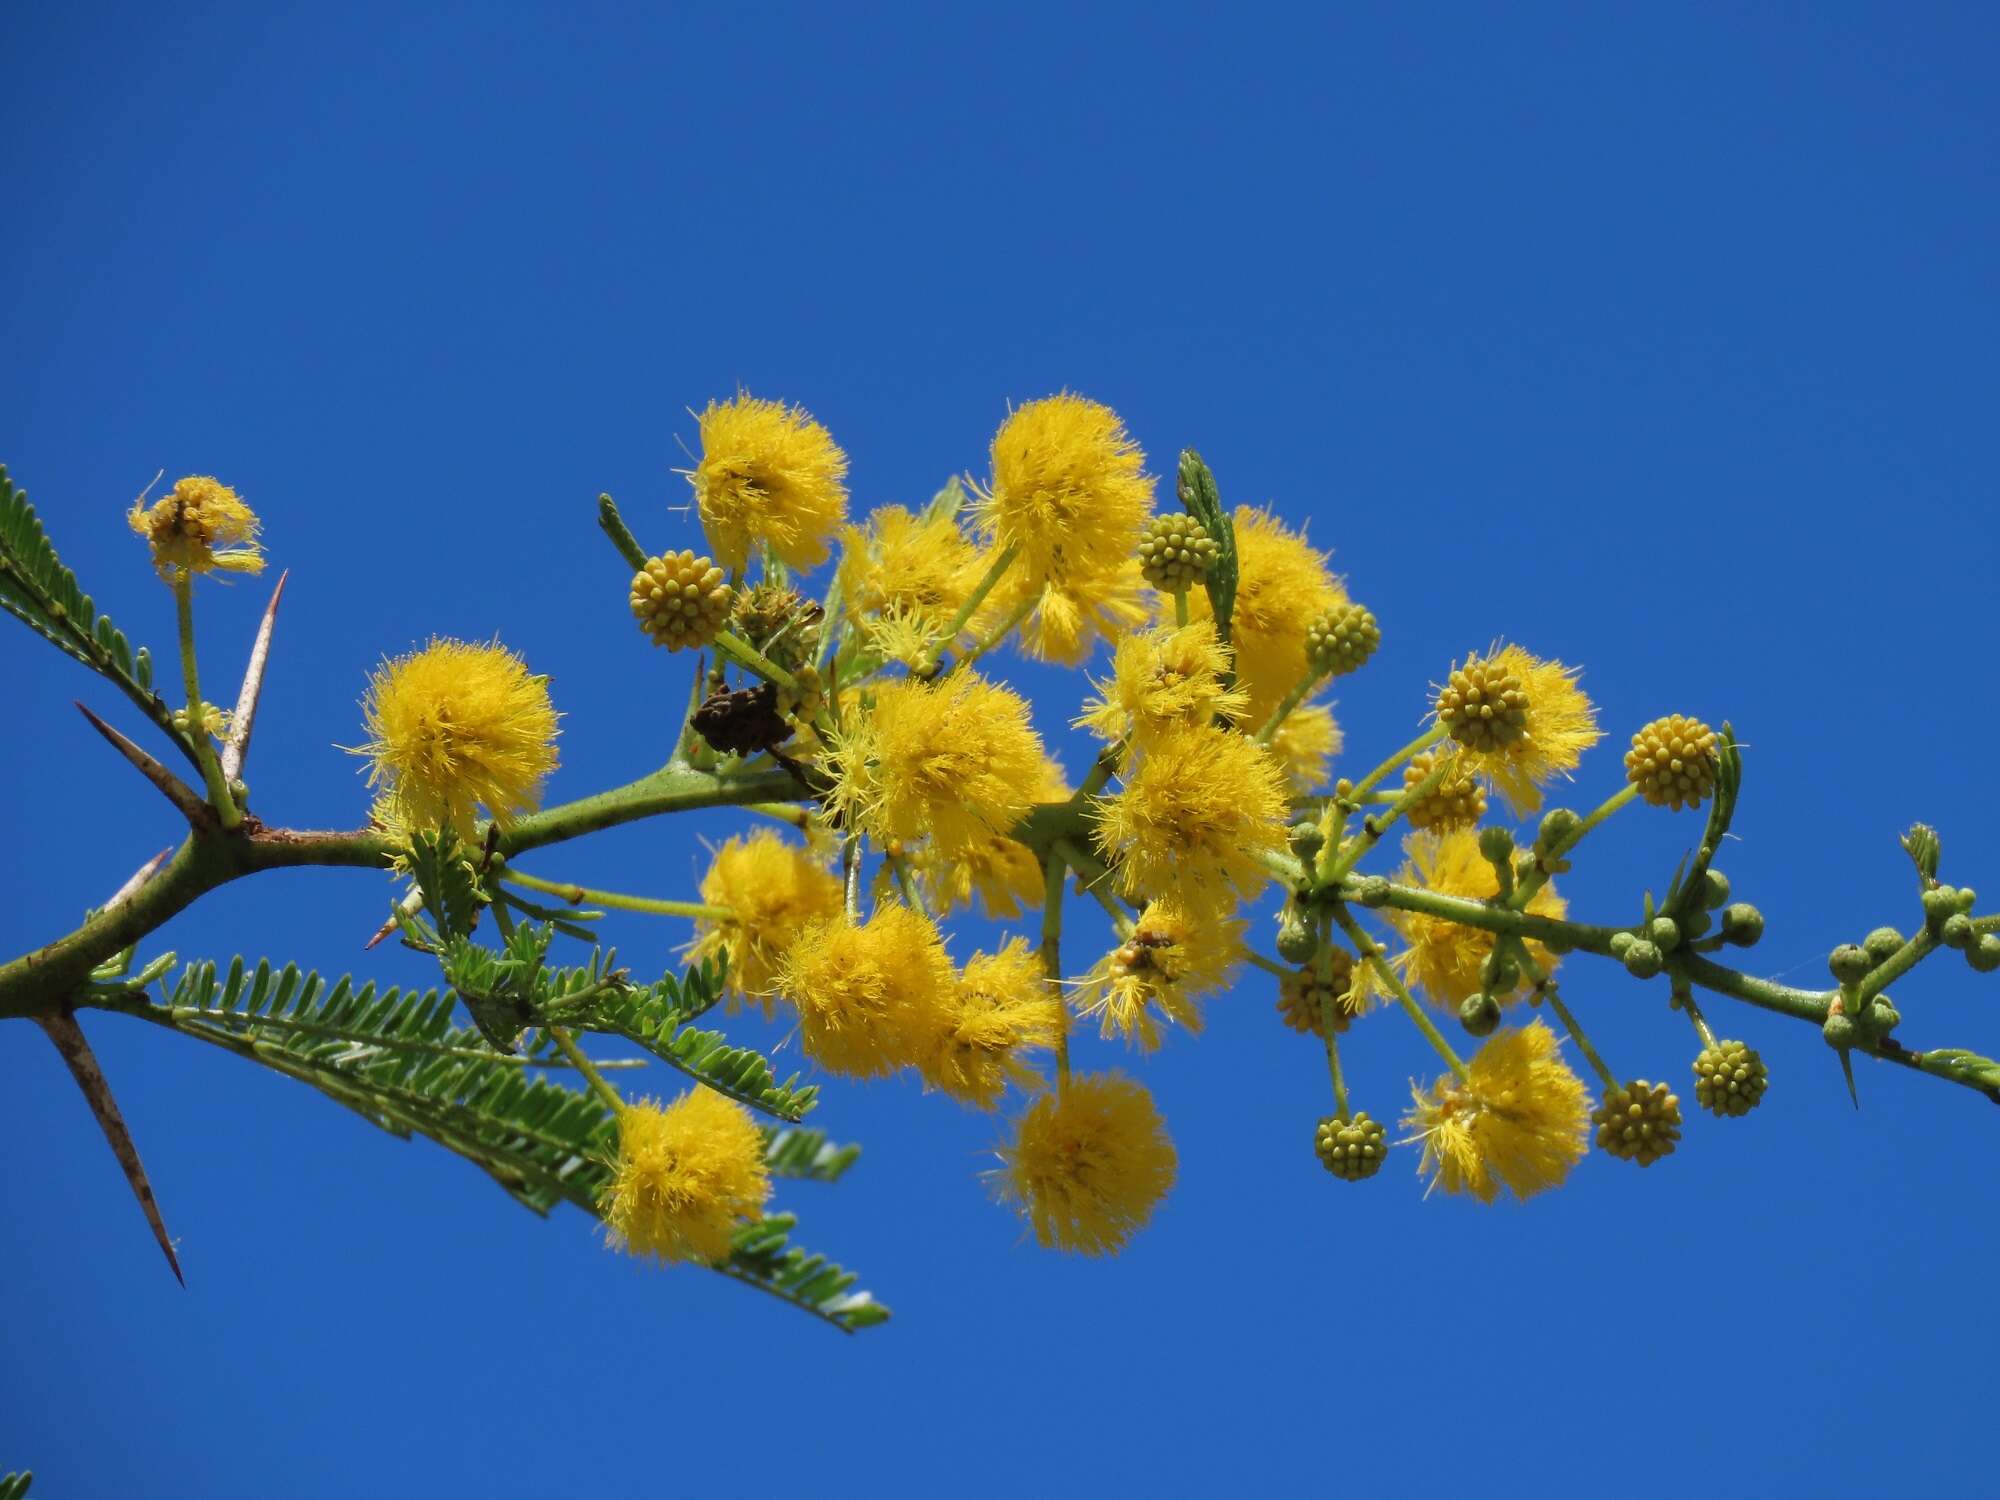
<point>1003,873</point>
<point>1193,812</point>
<point>201,525</point>
<point>684,1178</point>
<point>1163,969</point>
<point>1162,679</point>
<point>1064,620</point>
<point>1000,1007</point>
<point>1089,1164</point>
<point>873,998</point>
<point>1283,585</point>
<point>769,475</point>
<point>916,569</point>
<point>954,760</point>
<point>1520,1120</point>
<point>1443,959</point>
<point>456,726</point>
<point>1306,744</point>
<point>774,890</point>
<point>1519,721</point>
<point>1068,491</point>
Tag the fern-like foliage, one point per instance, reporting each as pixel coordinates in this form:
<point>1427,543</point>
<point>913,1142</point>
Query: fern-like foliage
<point>15,1486</point>
<point>396,1058</point>
<point>39,591</point>
<point>764,1256</point>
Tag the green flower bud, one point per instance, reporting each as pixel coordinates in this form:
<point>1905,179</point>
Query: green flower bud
<point>1298,936</point>
<point>1638,1121</point>
<point>1479,1014</point>
<point>1665,933</point>
<point>1714,889</point>
<point>1496,844</point>
<point>1984,955</point>
<point>1850,963</point>
<point>1729,1079</point>
<point>1742,924</point>
<point>1939,902</point>
<point>1643,960</point>
<point>1558,823</point>
<point>1352,1150</point>
<point>1957,931</point>
<point>1967,898</point>
<point>1882,942</point>
<point>1307,839</point>
<point>1621,943</point>
<point>1881,1017</point>
<point>1840,1031</point>
<point>1371,891</point>
<point>1695,924</point>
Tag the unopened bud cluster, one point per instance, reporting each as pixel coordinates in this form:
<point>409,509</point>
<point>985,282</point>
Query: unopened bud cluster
<point>1729,1079</point>
<point>1483,706</point>
<point>1457,801</point>
<point>1638,1121</point>
<point>681,600</point>
<point>1306,1002</point>
<point>1341,640</point>
<point>1176,552</point>
<point>1351,1149</point>
<point>1673,762</point>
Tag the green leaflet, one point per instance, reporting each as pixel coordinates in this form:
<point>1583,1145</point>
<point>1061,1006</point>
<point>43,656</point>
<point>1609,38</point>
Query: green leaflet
<point>15,1486</point>
<point>764,1256</point>
<point>438,864</point>
<point>807,1154</point>
<point>37,590</point>
<point>1196,488</point>
<point>739,1072</point>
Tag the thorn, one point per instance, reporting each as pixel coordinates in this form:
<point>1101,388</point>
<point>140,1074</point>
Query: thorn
<point>69,1041</point>
<point>409,906</point>
<point>237,750</point>
<point>1847,1067</point>
<point>170,786</point>
<point>140,876</point>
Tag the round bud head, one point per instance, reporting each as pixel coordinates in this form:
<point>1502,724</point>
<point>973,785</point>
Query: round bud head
<point>1695,924</point>
<point>1479,1014</point>
<point>1729,1079</point>
<point>1665,933</point>
<point>1939,902</point>
<point>1643,960</point>
<point>1176,552</point>
<point>681,600</point>
<point>1307,838</point>
<point>1351,1149</point>
<point>1305,1003</point>
<point>1714,889</point>
<point>1849,963</point>
<point>1984,955</point>
<point>1557,824</point>
<point>1483,706</point>
<point>1673,762</point>
<point>1621,943</point>
<point>1496,845</point>
<point>1840,1031</point>
<point>1882,942</point>
<point>1638,1121</point>
<point>1957,931</point>
<point>1742,924</point>
<point>1298,937</point>
<point>1341,640</point>
<point>1967,898</point>
<point>1881,1017</point>
<point>1457,801</point>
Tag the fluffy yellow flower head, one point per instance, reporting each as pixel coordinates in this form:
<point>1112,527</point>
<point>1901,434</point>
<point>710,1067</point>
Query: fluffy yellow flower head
<point>1547,725</point>
<point>1283,584</point>
<point>458,725</point>
<point>1003,873</point>
<point>1521,1120</point>
<point>1064,620</point>
<point>1165,966</point>
<point>1162,679</point>
<point>954,760</point>
<point>768,474</point>
<point>1306,744</point>
<point>1191,817</point>
<point>914,569</point>
<point>1088,1165</point>
<point>1000,1007</point>
<point>1443,958</point>
<point>200,525</point>
<point>684,1178</point>
<point>774,891</point>
<point>1068,490</point>
<point>872,998</point>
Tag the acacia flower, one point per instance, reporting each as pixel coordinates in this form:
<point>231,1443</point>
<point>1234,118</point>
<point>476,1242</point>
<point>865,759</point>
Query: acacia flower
<point>1000,1007</point>
<point>872,998</point>
<point>199,526</point>
<point>1064,619</point>
<point>774,890</point>
<point>1443,958</point>
<point>1519,721</point>
<point>1283,587</point>
<point>954,760</point>
<point>1088,1165</point>
<point>458,725</point>
<point>770,475</point>
<point>1068,490</point>
<point>1163,969</point>
<point>1002,872</point>
<point>1305,746</point>
<point>1161,679</point>
<point>1521,1119</point>
<point>1193,812</point>
<point>915,569</point>
<point>685,1176</point>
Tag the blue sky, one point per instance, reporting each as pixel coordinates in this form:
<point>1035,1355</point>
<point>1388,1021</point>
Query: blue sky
<point>1660,340</point>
